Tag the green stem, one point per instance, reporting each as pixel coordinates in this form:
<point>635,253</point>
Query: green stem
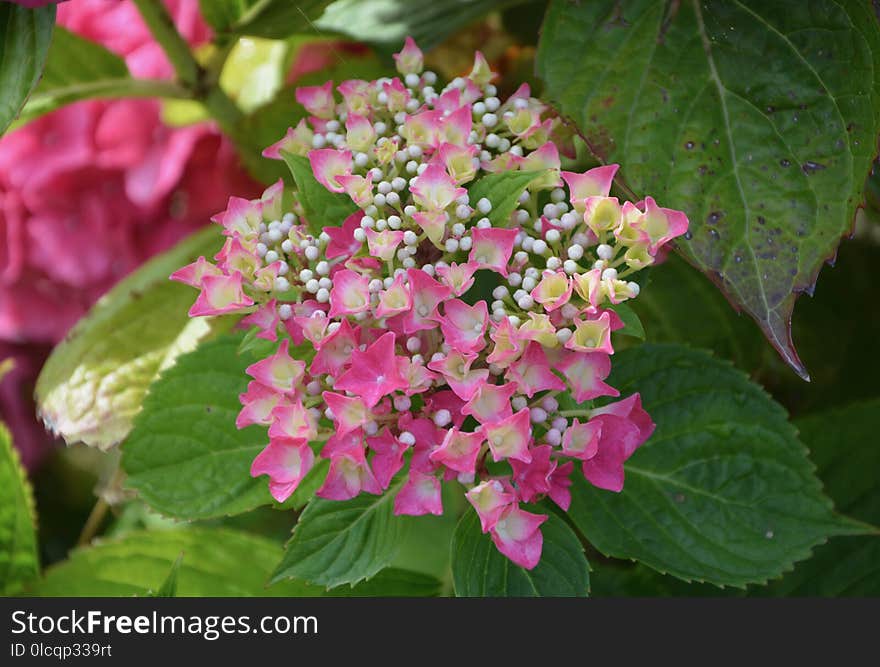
<point>162,27</point>
<point>203,84</point>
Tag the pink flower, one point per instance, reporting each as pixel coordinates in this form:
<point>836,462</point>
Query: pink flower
<point>278,372</point>
<point>491,248</point>
<point>348,476</point>
<point>464,326</point>
<point>532,373</point>
<point>518,536</point>
<point>350,293</point>
<point>421,494</point>
<point>509,438</point>
<point>220,295</point>
<point>490,499</point>
<point>371,376</point>
<point>459,450</point>
<point>257,402</point>
<point>328,164</point>
<point>286,461</point>
<point>435,190</point>
<point>318,100</point>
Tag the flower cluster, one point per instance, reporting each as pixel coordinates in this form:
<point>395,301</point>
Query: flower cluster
<point>413,373</point>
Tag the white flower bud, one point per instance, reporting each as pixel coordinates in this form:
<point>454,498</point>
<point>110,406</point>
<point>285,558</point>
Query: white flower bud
<point>604,251</point>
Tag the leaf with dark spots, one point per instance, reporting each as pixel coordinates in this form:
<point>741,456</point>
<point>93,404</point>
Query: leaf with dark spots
<point>766,112</point>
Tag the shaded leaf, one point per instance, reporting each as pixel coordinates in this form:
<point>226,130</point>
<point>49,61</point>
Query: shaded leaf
<point>386,23</point>
<point>24,43</point>
<point>767,161</point>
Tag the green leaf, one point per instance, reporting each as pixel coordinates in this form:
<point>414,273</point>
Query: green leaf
<point>680,305</point>
<point>502,189</point>
<point>722,492</point>
<point>386,23</point>
<point>322,208</point>
<point>93,384</point>
<point>216,562</point>
<point>480,570</point>
<point>632,325</point>
<point>185,456</point>
<point>24,43</point>
<point>168,589</point>
<point>758,119</point>
<point>846,450</point>
<point>262,18</point>
<point>392,582</point>
<point>78,69</point>
<point>18,540</point>
<point>343,542</point>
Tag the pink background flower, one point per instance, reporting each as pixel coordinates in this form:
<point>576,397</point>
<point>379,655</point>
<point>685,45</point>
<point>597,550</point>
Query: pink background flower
<point>90,191</point>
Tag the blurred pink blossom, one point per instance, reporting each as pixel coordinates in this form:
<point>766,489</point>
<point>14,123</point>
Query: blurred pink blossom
<point>90,191</point>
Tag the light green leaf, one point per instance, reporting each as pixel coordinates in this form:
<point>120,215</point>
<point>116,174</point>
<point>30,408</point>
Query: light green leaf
<point>168,589</point>
<point>216,562</point>
<point>722,492</point>
<point>480,570</point>
<point>502,189</point>
<point>758,119</point>
<point>322,208</point>
<point>386,23</point>
<point>18,541</point>
<point>94,382</point>
<point>343,542</point>
<point>79,69</point>
<point>24,43</point>
<point>185,456</point>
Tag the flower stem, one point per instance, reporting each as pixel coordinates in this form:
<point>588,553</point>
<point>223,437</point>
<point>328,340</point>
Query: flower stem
<point>162,27</point>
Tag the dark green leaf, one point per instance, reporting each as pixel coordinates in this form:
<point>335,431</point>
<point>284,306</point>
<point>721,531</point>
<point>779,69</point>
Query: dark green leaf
<point>262,18</point>
<point>386,23</point>
<point>184,456</point>
<point>322,208</point>
<point>392,582</point>
<point>78,69</point>
<point>24,43</point>
<point>846,450</point>
<point>632,325</point>
<point>758,119</point>
<point>95,380</point>
<point>18,540</point>
<point>722,492</point>
<point>679,305</point>
<point>343,542</point>
<point>480,570</point>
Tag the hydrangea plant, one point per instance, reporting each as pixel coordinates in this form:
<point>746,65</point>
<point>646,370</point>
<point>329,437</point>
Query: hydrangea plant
<point>441,329</point>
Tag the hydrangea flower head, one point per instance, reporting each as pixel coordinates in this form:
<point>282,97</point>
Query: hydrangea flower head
<point>441,331</point>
